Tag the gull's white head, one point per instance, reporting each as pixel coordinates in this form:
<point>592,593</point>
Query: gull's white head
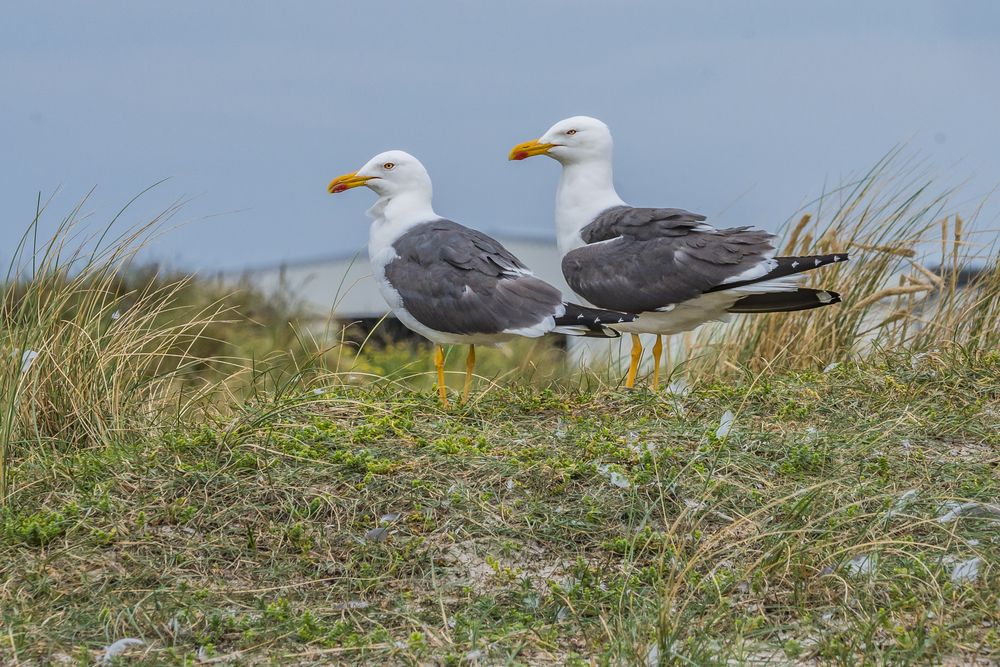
<point>576,139</point>
<point>583,146</point>
<point>390,174</point>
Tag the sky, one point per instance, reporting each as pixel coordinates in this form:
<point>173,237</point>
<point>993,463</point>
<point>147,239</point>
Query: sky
<point>743,111</point>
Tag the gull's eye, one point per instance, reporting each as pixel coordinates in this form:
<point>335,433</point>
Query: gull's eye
<point>389,166</point>
<point>571,132</point>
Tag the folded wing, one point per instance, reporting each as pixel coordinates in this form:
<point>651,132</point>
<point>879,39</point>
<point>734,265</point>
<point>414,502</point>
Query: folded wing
<point>644,259</point>
<point>458,280</point>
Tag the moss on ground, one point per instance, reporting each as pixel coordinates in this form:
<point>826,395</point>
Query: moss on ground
<point>535,526</point>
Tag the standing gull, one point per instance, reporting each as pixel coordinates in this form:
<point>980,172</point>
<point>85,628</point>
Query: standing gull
<point>665,263</point>
<point>452,284</point>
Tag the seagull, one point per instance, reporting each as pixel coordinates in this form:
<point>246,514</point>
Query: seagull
<point>451,284</point>
<point>666,264</point>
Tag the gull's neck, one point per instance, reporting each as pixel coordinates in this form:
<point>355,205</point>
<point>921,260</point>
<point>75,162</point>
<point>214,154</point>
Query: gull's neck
<point>392,216</point>
<point>585,189</point>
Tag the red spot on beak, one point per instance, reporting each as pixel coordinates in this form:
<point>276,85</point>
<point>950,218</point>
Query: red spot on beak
<point>520,155</point>
<point>340,187</point>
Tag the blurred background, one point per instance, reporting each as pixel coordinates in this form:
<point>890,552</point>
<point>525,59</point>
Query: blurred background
<point>742,111</point>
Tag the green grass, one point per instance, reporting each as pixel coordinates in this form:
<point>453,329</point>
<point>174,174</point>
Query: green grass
<point>366,525</point>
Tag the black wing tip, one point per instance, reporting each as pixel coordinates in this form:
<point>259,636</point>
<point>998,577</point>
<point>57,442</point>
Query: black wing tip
<point>789,266</point>
<point>594,319</point>
<point>809,262</point>
<point>804,298</point>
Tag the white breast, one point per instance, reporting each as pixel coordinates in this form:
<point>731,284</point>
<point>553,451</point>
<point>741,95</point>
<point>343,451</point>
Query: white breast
<point>379,259</point>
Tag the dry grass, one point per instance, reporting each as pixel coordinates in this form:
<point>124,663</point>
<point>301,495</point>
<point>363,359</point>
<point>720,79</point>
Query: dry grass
<point>895,228</point>
<point>84,362</point>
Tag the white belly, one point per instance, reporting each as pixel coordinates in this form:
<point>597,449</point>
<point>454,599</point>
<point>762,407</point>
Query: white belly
<point>685,316</point>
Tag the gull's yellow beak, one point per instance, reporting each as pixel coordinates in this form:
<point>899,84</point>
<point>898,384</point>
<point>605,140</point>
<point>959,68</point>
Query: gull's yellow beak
<point>529,149</point>
<point>346,182</point>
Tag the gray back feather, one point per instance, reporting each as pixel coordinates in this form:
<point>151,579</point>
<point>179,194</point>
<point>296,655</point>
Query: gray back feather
<point>640,223</point>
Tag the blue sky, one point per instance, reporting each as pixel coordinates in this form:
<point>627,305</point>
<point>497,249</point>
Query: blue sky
<point>739,110</point>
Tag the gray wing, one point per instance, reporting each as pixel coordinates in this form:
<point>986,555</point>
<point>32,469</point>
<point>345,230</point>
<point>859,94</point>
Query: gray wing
<point>642,259</point>
<point>457,280</point>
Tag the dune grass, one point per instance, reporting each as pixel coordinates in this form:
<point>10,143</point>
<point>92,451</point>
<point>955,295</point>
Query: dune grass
<point>192,466</point>
<point>900,290</point>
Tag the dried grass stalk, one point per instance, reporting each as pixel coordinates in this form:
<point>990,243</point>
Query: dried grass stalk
<point>899,251</point>
<point>891,291</point>
<point>793,238</point>
<point>934,278</point>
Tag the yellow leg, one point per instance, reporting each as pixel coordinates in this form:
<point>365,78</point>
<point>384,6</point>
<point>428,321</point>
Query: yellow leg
<point>470,364</point>
<point>657,353</point>
<point>439,365</point>
<point>634,365</point>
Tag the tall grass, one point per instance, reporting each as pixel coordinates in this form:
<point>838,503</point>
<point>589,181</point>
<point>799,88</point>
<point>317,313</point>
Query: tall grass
<point>86,360</point>
<point>901,289</point>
